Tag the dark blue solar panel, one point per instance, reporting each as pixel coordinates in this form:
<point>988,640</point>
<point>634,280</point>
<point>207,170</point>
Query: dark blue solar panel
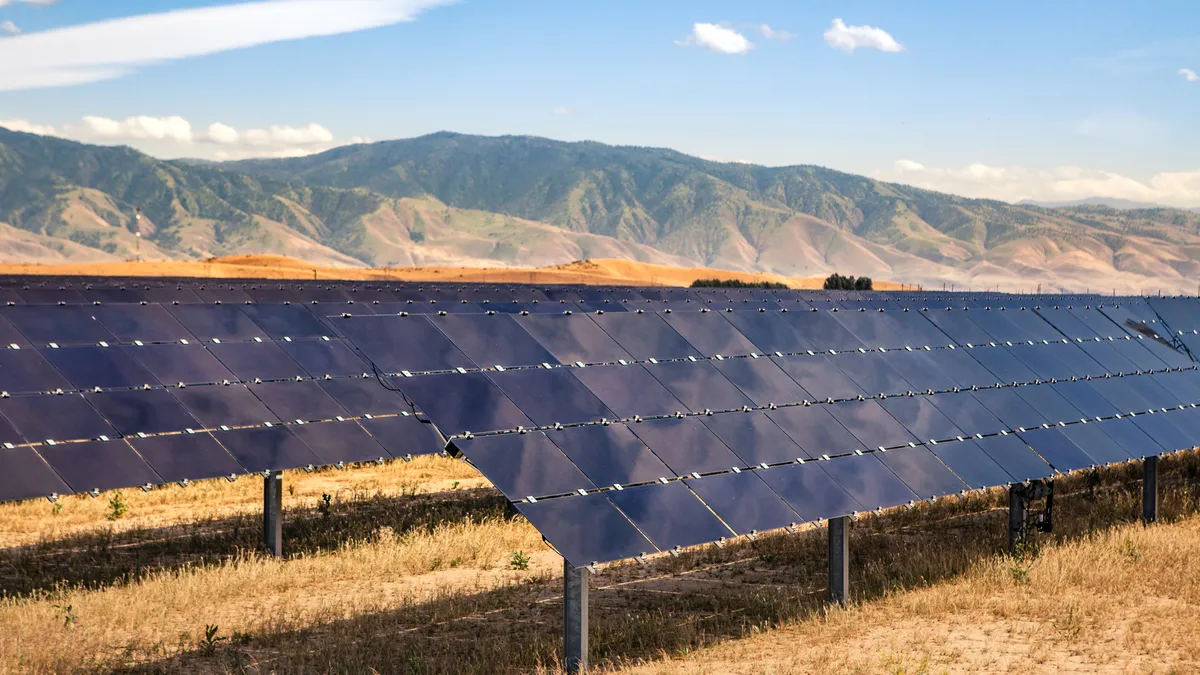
<point>871,424</point>
<point>698,385</point>
<point>921,418</point>
<point>1003,365</point>
<point>10,336</point>
<point>1057,449</point>
<point>870,482</point>
<point>815,430</point>
<point>280,321</point>
<point>768,331</point>
<point>761,380</point>
<point>25,475</point>
<point>52,296</point>
<point>872,373</point>
<point>218,405</point>
<point>754,437</point>
<point>573,338</point>
<point>921,370</point>
<point>670,515</point>
<point>463,402</point>
<point>1083,397</point>
<point>336,442</point>
<point>709,333</point>
<point>874,329</point>
<point>551,396</point>
<point>24,371</point>
<point>822,330</point>
<point>325,357</point>
<point>744,502</point>
<point>298,401</point>
<point>397,343</point>
<point>957,324</point>
<point>58,418</point>
<point>9,435</point>
<point>629,391</point>
<point>1016,458</point>
<point>971,464</point>
<point>144,323</point>
<point>524,465</point>
<point>967,413</point>
<point>217,322</point>
<point>227,294</point>
<point>267,449</point>
<point>685,445</point>
<point>645,336</point>
<point>1006,404</point>
<point>491,340</point>
<point>1099,446</point>
<point>922,472</point>
<point>608,536</point>
<point>610,454</point>
<point>105,367</point>
<point>187,364</point>
<point>98,465</point>
<point>404,435</point>
<point>819,377</point>
<point>186,457</point>
<point>250,361</point>
<point>365,396</point>
<point>68,325</point>
<point>810,491</point>
<point>146,411</point>
<point>1040,359</point>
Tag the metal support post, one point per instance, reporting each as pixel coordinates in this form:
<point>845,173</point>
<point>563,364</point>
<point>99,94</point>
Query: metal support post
<point>1150,489</point>
<point>273,513</point>
<point>839,560</point>
<point>1016,516</point>
<point>575,618</point>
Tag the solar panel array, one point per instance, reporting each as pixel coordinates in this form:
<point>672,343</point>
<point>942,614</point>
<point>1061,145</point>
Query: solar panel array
<point>621,422</point>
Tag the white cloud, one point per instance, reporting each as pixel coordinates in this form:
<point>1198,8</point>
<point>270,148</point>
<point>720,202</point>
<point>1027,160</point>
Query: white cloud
<point>174,136</point>
<point>1121,127</point>
<point>1064,183</point>
<point>717,38</point>
<point>43,3</point>
<point>772,34</point>
<point>108,49</point>
<point>564,111</point>
<point>848,38</point>
<point>1189,75</point>
<point>28,127</point>
<point>9,28</point>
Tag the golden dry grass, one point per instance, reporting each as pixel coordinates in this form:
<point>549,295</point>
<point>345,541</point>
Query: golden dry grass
<point>593,272</point>
<point>404,573</point>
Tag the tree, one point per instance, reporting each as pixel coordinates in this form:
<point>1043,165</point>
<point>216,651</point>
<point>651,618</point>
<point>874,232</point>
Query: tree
<point>837,282</point>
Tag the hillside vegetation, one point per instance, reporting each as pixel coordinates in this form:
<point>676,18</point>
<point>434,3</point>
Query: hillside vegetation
<point>455,199</point>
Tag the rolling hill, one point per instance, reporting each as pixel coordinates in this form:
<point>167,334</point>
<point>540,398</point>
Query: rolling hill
<point>507,201</point>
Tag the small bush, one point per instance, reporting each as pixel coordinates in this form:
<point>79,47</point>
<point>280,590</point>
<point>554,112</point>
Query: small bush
<point>734,283</point>
<point>117,507</point>
<point>520,561</point>
<point>837,282</point>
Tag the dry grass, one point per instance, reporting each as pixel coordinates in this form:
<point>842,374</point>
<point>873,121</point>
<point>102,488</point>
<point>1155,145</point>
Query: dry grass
<point>596,272</point>
<point>418,581</point>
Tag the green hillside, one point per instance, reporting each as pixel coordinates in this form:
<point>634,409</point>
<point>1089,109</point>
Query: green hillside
<point>451,198</point>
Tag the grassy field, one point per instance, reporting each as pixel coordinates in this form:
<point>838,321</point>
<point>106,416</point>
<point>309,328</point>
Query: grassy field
<point>418,568</point>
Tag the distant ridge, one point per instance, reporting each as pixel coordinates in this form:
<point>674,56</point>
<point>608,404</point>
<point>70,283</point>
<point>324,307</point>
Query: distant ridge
<point>1110,202</point>
<point>454,199</point>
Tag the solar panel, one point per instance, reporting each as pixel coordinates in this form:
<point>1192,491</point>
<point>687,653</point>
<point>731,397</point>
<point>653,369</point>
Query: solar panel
<point>971,464</point>
<point>321,358</point>
<point>629,391</point>
<point>1056,449</point>
<point>25,475</point>
<point>69,325</point>
<point>232,406</point>
<point>573,338</point>
<point>99,465</point>
<point>921,418</point>
<point>298,401</point>
<point>524,465</point>
<point>249,361</point>
<point>280,321</point>
<point>404,435</point>
<point>761,380</point>
<point>365,396</point>
<point>610,454</point>
<point>551,396</point>
<point>753,437</point>
<point>698,385</point>
<point>744,502</point>
<point>104,367</point>
<point>491,340</point>
<point>25,371</point>
<point>709,333</point>
<point>398,343</point>
<point>186,457</point>
<point>142,411</point>
<point>145,323</point>
<point>670,515</point>
<point>608,536</point>
<point>922,472</point>
<point>823,331</point>
<point>267,449</point>
<point>463,402</point>
<point>181,363</point>
<point>819,377</point>
<point>871,424</point>
<point>1099,446</point>
<point>1016,458</point>
<point>768,331</point>
<point>1006,404</point>
<point>810,491</point>
<point>339,441</point>
<point>58,418</point>
<point>872,373</point>
<point>217,322</point>
<point>645,336</point>
<point>967,413</point>
<point>685,445</point>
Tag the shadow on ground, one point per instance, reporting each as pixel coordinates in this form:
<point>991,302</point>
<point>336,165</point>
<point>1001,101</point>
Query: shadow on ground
<point>675,605</point>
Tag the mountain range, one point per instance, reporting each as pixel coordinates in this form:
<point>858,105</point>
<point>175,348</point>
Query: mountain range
<point>457,199</point>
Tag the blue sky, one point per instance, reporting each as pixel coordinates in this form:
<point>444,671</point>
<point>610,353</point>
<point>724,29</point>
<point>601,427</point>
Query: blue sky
<point>1010,100</point>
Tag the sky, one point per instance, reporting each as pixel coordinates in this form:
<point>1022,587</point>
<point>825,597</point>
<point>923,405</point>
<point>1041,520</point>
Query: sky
<point>1014,100</point>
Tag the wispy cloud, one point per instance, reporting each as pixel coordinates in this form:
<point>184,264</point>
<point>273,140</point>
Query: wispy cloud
<point>109,49</point>
<point>1063,183</point>
<point>564,111</point>
<point>1121,127</point>
<point>717,38</point>
<point>1189,75</point>
<point>9,28</point>
<point>43,3</point>
<point>174,136</point>
<point>772,34</point>
<point>849,38</point>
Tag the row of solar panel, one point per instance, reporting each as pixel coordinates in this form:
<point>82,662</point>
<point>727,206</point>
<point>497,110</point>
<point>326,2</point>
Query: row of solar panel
<point>28,472</point>
<point>676,509</point>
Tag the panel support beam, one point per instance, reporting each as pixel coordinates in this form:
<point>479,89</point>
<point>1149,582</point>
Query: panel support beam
<point>1016,516</point>
<point>273,513</point>
<point>1150,489</point>
<point>575,618</point>
<point>839,560</point>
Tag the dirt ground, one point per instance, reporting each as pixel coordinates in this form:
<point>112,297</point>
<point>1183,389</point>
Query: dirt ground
<point>592,272</point>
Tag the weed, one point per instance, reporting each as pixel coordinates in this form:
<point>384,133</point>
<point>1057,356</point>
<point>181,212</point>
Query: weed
<point>209,644</point>
<point>1130,551</point>
<point>291,489</point>
<point>68,612</point>
<point>1069,624</point>
<point>117,508</point>
<point>455,486</point>
<point>520,561</point>
<point>58,508</point>
<point>325,506</point>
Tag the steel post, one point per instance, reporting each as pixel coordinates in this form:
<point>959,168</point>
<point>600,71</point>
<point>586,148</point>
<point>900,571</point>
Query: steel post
<point>273,513</point>
<point>575,618</point>
<point>839,560</point>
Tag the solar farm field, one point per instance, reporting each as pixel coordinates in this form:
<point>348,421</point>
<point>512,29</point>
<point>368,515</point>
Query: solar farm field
<point>254,475</point>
